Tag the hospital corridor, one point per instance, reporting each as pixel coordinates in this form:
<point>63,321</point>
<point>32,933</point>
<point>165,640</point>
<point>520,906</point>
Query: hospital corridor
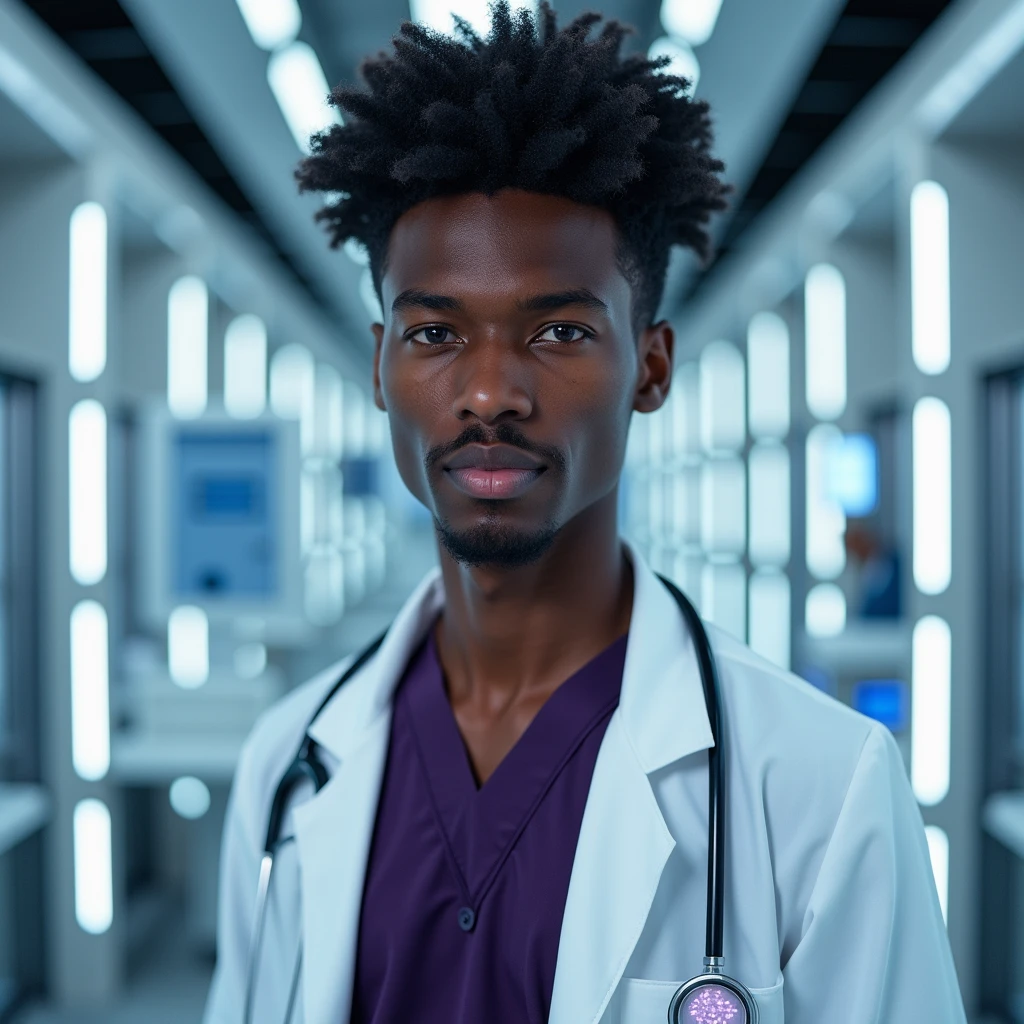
<point>232,459</point>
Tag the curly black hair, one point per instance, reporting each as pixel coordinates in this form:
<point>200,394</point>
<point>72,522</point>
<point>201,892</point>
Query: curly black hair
<point>532,107</point>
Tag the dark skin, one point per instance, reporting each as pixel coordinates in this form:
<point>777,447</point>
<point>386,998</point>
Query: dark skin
<point>514,317</point>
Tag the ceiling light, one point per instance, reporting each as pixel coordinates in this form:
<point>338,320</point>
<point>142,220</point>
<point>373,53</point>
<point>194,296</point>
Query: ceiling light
<point>929,274</point>
<point>692,20</point>
<point>683,61</point>
<point>825,329</point>
<point>271,23</point>
<point>300,87</point>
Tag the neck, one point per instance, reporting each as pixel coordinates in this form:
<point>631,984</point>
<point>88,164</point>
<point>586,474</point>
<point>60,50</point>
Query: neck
<point>511,634</point>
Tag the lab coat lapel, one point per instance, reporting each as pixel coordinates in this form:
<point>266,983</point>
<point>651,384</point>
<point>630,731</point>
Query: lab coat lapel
<point>624,842</point>
<point>334,830</point>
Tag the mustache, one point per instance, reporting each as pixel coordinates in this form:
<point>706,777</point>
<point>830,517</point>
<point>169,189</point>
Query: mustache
<point>502,433</point>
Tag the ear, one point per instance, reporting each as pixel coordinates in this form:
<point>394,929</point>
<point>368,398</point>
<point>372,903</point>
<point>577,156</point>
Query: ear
<point>378,341</point>
<point>654,351</point>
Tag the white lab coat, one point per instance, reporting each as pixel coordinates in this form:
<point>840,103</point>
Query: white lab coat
<point>831,911</point>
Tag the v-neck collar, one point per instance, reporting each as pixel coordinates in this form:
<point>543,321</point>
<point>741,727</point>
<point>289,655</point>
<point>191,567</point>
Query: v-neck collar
<point>481,825</point>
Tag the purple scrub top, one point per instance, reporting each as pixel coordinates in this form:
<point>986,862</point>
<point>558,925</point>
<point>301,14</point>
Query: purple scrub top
<point>466,886</point>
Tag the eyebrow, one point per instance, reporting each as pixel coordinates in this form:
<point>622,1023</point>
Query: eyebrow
<point>414,298</point>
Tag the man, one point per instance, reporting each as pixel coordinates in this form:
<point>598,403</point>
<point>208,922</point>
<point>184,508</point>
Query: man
<point>516,823</point>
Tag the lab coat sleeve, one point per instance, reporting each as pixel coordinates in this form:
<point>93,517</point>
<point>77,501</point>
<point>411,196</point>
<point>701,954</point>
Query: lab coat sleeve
<point>873,948</point>
<point>239,873</point>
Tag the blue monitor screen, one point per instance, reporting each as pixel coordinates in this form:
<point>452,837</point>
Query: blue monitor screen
<point>884,700</point>
<point>228,496</point>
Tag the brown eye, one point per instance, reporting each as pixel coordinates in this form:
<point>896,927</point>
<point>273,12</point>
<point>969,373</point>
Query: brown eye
<point>564,333</point>
<point>432,335</point>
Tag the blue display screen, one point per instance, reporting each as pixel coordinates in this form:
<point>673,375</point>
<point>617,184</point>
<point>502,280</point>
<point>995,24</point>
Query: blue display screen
<point>852,474</point>
<point>228,496</point>
<point>884,700</point>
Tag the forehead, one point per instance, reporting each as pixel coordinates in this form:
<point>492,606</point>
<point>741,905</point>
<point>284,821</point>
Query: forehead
<point>505,244</point>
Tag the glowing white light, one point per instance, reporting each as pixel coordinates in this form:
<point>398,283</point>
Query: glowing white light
<point>87,491</point>
<point>722,398</point>
<point>293,389</point>
<point>931,672</point>
<point>90,691</point>
<point>825,520</point>
<point>768,372</point>
<point>271,23</point>
<point>683,61</point>
<point>770,616</point>
<point>300,87</point>
<point>328,413</point>
<point>325,587</point>
<point>245,367</point>
<point>87,294</point>
<point>768,470</point>
<point>933,529</point>
<point>724,597</point>
<point>825,324</point>
<point>356,420</point>
<point>929,280</point>
<point>250,660</point>
<point>825,611</point>
<point>437,14</point>
<point>187,335</point>
<point>367,292</point>
<point>94,882</point>
<point>692,20</point>
<point>723,514</point>
<point>188,646</point>
<point>938,852</point>
<point>190,797</point>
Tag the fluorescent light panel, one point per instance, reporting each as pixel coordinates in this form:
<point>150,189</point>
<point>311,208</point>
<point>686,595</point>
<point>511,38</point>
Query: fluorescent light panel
<point>87,491</point>
<point>187,337</point>
<point>682,60</point>
<point>825,326</point>
<point>190,797</point>
<point>931,672</point>
<point>329,411</point>
<point>768,369</point>
<point>724,597</point>
<point>929,280</point>
<point>938,852</point>
<point>770,616</point>
<point>245,367</point>
<point>933,526</point>
<point>692,20</point>
<point>90,691</point>
<point>87,292</point>
<point>723,511</point>
<point>768,472</point>
<point>300,87</point>
<point>825,520</point>
<point>722,398</point>
<point>293,389</point>
<point>94,884</point>
<point>188,646</point>
<point>437,14</point>
<point>271,23</point>
<point>825,611</point>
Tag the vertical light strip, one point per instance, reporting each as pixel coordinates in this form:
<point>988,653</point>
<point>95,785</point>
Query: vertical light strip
<point>933,526</point>
<point>87,292</point>
<point>245,367</point>
<point>94,883</point>
<point>768,489</point>
<point>929,276</point>
<point>188,646</point>
<point>87,491</point>
<point>826,521</point>
<point>825,610</point>
<point>90,691</point>
<point>825,326</point>
<point>293,389</point>
<point>938,851</point>
<point>930,711</point>
<point>187,329</point>
<point>770,625</point>
<point>768,376</point>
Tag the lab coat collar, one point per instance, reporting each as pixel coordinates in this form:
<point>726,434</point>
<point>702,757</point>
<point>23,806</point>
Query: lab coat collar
<point>661,703</point>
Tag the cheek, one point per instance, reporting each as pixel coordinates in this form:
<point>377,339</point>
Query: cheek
<point>603,415</point>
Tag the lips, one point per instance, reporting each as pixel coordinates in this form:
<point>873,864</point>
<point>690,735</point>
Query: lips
<point>493,471</point>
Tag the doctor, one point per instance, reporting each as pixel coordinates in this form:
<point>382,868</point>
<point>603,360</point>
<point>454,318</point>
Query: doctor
<point>514,825</point>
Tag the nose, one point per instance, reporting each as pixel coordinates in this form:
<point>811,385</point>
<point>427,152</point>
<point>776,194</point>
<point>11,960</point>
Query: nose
<point>492,384</point>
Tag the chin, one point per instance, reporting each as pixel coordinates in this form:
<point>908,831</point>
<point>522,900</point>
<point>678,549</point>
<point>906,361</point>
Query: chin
<point>494,544</point>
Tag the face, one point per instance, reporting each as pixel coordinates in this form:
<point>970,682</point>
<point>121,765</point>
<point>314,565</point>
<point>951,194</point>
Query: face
<point>509,369</point>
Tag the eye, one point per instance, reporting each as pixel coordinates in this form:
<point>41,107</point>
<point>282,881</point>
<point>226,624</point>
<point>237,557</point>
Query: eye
<point>432,335</point>
<point>565,333</point>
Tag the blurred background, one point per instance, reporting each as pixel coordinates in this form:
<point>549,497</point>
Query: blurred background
<point>198,505</point>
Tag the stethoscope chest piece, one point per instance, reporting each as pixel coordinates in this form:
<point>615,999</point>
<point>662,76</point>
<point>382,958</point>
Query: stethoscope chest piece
<point>712,999</point>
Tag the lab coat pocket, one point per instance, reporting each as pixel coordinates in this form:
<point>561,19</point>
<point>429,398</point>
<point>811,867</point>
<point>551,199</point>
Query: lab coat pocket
<point>640,1001</point>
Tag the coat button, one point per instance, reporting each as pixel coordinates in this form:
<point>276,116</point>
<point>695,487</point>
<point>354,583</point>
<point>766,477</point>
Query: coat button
<point>467,919</point>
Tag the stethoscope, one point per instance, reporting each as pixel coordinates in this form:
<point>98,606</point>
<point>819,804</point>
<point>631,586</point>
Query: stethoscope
<point>709,998</point>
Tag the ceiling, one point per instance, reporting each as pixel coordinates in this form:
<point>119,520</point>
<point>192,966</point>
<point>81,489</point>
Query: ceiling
<point>780,75</point>
<point>22,140</point>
